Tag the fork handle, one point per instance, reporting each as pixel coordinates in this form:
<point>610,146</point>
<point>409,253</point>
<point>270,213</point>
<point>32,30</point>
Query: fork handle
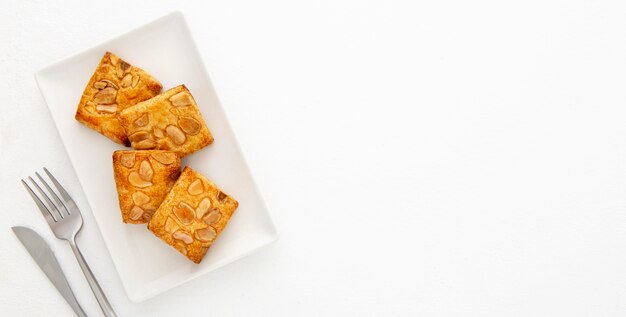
<point>93,283</point>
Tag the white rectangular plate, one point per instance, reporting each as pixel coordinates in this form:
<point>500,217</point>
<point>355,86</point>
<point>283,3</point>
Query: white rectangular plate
<point>146,265</point>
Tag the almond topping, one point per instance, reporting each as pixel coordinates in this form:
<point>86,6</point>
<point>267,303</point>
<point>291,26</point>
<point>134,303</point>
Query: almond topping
<point>125,66</point>
<point>139,136</point>
<point>181,99</point>
<point>110,83</point>
<point>145,170</point>
<point>135,213</point>
<point>90,106</point>
<point>127,80</point>
<point>112,108</point>
<point>114,59</point>
<point>189,125</point>
<point>100,85</point>
<point>143,120</point>
<point>105,96</point>
<point>183,236</point>
<point>212,217</point>
<point>165,158</point>
<point>184,212</point>
<point>170,225</point>
<point>195,188</point>
<point>144,145</point>
<point>147,214</point>
<point>175,134</point>
<point>135,81</point>
<point>158,133</point>
<point>221,196</point>
<point>206,234</point>
<point>139,198</point>
<point>128,159</point>
<point>136,180</point>
<point>203,207</point>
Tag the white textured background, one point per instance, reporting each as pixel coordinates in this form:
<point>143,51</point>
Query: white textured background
<point>431,158</point>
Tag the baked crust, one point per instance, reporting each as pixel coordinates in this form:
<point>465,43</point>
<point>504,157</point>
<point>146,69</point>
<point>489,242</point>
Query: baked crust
<point>143,179</point>
<point>169,121</point>
<point>192,215</point>
<point>114,86</point>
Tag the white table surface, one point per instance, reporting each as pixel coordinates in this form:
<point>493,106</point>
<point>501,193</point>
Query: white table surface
<point>431,158</point>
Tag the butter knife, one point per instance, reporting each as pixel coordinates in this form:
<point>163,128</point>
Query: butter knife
<point>42,254</point>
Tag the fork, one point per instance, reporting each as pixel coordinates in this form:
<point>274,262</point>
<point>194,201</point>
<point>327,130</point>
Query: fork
<point>65,221</point>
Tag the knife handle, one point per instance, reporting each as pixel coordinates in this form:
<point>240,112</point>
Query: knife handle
<point>93,283</point>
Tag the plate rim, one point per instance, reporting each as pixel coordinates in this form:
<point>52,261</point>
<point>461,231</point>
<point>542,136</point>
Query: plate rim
<point>272,233</point>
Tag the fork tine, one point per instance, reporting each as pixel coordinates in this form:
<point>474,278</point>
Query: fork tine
<point>50,204</point>
<point>60,188</point>
<point>53,194</point>
<point>44,210</point>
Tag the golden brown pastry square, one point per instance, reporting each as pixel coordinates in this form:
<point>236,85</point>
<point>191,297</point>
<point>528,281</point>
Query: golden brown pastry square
<point>192,215</point>
<point>114,86</point>
<point>169,121</point>
<point>143,179</point>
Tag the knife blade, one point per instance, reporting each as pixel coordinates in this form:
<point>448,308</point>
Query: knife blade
<point>43,255</point>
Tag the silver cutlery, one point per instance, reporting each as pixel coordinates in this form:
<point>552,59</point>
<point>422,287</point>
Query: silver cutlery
<point>43,255</point>
<point>65,221</point>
